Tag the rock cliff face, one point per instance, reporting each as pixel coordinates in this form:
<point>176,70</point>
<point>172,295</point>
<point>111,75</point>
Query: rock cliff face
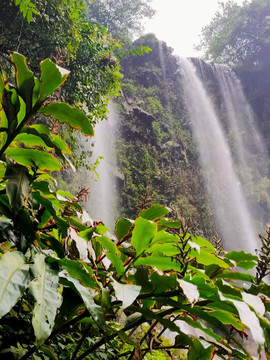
<point>156,152</point>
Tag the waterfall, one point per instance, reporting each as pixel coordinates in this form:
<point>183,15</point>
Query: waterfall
<point>101,204</point>
<point>223,185</point>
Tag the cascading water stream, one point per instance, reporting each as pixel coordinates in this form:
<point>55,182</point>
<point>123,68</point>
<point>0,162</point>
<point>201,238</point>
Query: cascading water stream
<point>223,186</point>
<point>247,144</point>
<point>101,204</point>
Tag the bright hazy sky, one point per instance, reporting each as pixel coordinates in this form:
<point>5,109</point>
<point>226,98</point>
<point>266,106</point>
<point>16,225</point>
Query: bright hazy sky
<point>179,22</point>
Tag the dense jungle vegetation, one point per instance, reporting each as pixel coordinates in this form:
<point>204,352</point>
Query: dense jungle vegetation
<point>166,147</point>
<point>68,288</point>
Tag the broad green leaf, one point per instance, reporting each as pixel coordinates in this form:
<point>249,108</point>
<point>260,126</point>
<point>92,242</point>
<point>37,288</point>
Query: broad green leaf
<point>142,235</point>
<point>162,283</point>
<point>190,290</point>
<point>112,253</point>
<point>29,140</point>
<point>154,212</point>
<point>162,263</point>
<point>87,296</point>
<point>87,234</point>
<point>40,128</point>
<point>14,279</point>
<point>43,186</point>
<point>76,223</point>
<point>21,114</point>
<point>223,306</point>
<point>228,289</point>
<point>207,289</point>
<point>166,249</point>
<point>151,315</point>
<point>126,293</point>
<point>207,258</point>
<point>71,115</point>
<point>66,194</point>
<point>232,275</point>
<point>24,78</point>
<point>34,157</point>
<point>164,237</point>
<point>198,351</point>
<point>22,71</point>
<point>203,243</point>
<point>29,137</point>
<point>244,260</point>
<point>18,185</point>
<point>101,229</point>
<point>47,140</point>
<point>36,91</point>
<point>47,294</point>
<point>52,76</point>
<point>46,349</point>
<point>227,318</point>
<point>78,270</point>
<point>60,143</point>
<point>267,340</point>
<point>122,228</point>
<point>169,223</point>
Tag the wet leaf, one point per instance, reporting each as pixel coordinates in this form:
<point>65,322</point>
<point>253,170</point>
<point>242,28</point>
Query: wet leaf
<point>142,235</point>
<point>71,115</point>
<point>34,158</point>
<point>46,292</point>
<point>126,293</point>
<point>154,212</point>
<point>14,279</point>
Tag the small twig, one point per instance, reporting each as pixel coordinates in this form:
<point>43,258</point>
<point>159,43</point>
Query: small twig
<point>53,334</point>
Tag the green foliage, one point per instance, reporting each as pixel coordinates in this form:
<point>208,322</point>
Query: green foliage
<point>27,8</point>
<point>239,35</point>
<point>82,290</point>
<point>157,153</point>
<point>71,40</point>
<point>121,19</point>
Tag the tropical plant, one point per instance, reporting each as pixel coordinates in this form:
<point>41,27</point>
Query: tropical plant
<point>120,17</point>
<point>27,8</point>
<point>239,35</point>
<point>86,292</point>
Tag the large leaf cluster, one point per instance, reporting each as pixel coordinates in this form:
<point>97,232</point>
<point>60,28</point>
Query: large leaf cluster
<point>61,272</point>
<point>62,30</point>
<point>239,35</point>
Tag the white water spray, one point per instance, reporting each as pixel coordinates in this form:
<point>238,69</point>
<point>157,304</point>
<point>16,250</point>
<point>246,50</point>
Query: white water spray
<point>101,204</point>
<point>222,183</point>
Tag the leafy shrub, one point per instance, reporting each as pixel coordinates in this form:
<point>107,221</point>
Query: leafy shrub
<point>85,292</point>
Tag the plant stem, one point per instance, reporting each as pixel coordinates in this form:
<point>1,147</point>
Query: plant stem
<point>53,334</point>
<point>108,338</point>
<point>12,136</point>
<point>80,342</point>
<point>128,327</point>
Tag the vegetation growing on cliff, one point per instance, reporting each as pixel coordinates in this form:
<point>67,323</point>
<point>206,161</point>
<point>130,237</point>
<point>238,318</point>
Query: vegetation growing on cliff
<point>75,293</point>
